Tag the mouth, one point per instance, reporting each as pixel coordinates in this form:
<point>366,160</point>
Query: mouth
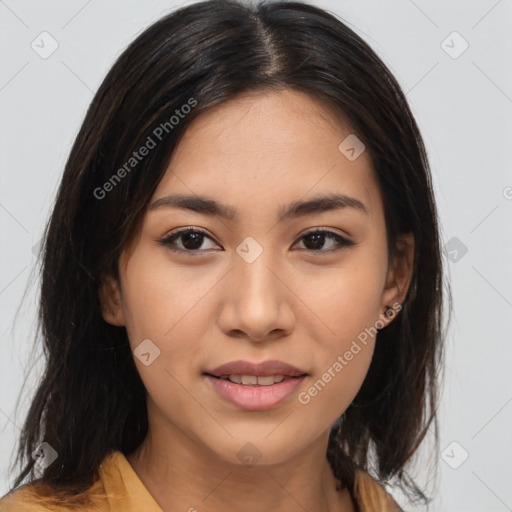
<point>254,392</point>
<point>244,372</point>
<point>256,380</point>
<point>255,386</point>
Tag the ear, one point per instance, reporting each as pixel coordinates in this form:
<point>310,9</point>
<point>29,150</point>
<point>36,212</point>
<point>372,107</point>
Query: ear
<point>398,278</point>
<point>110,300</point>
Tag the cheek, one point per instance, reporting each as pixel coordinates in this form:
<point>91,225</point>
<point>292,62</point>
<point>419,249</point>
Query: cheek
<point>348,302</point>
<point>342,367</point>
<point>157,301</point>
<point>342,301</point>
<point>343,307</point>
<point>163,307</point>
<point>352,306</point>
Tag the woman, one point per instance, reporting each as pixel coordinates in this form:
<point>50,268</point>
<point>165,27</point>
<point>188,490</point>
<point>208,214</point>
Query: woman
<point>241,286</point>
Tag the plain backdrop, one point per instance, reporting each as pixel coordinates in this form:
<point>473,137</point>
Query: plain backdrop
<point>452,58</point>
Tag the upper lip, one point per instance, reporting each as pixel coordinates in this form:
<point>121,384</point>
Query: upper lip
<point>270,367</point>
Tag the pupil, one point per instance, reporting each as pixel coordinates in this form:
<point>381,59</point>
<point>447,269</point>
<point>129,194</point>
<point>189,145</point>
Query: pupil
<point>198,238</point>
<point>317,237</point>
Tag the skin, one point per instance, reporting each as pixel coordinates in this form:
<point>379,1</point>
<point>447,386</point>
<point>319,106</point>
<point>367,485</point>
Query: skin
<point>255,154</point>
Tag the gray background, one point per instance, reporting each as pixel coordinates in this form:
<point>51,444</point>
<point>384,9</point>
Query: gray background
<point>463,104</point>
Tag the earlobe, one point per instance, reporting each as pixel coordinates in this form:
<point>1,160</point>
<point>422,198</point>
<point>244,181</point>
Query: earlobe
<point>399,278</point>
<point>110,301</point>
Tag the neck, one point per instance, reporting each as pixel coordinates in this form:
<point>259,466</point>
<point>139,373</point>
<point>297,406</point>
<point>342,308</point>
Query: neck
<point>181,474</point>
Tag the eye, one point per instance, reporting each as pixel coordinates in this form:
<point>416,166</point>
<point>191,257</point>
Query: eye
<point>191,240</point>
<point>316,238</point>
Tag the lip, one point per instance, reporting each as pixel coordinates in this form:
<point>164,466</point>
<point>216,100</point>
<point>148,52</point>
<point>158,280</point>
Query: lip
<point>265,368</point>
<point>254,398</point>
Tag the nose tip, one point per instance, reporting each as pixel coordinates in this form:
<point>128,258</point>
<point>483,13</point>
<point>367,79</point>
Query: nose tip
<point>256,303</point>
<point>262,337</point>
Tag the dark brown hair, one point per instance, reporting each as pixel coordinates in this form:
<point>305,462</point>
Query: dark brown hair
<point>91,400</point>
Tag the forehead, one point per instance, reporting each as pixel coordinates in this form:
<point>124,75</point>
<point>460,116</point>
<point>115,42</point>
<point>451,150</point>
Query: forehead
<point>261,149</point>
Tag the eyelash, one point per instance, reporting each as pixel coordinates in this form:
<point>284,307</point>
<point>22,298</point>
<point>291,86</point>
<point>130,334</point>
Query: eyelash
<point>169,240</point>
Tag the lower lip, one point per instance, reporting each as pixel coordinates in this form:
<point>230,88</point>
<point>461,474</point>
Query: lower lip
<point>255,398</point>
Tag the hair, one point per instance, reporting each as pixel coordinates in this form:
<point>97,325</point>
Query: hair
<point>91,400</point>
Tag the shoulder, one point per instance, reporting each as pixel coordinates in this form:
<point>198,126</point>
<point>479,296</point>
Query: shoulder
<point>26,499</point>
<point>36,497</point>
<point>18,501</point>
<point>116,488</point>
<point>371,495</point>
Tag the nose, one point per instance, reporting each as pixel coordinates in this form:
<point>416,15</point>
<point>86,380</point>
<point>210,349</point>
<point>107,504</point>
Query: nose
<point>257,302</point>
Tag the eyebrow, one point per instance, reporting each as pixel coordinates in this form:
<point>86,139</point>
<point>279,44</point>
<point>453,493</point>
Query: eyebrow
<point>207,206</point>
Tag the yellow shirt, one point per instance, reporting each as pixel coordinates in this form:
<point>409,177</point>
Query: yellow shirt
<point>119,489</point>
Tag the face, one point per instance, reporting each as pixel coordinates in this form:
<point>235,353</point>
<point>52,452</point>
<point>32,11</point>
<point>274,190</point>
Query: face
<point>307,288</point>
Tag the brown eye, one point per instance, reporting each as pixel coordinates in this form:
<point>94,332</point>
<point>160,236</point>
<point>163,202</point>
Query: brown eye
<point>190,239</point>
<point>315,240</point>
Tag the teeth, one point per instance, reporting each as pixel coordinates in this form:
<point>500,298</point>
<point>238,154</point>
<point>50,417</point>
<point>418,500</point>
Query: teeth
<point>267,380</point>
<point>253,380</point>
